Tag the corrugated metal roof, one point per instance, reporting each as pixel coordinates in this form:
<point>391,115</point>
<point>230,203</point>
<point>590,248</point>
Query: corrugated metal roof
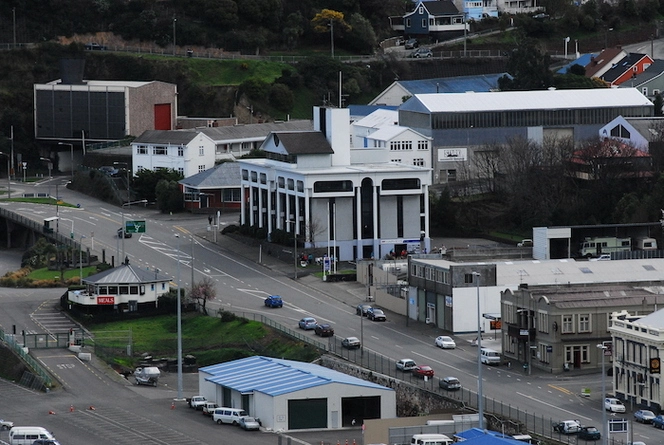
<point>387,133</point>
<point>583,60</point>
<point>275,377</point>
<point>625,64</point>
<point>527,100</point>
<point>256,132</point>
<point>126,274</point>
<point>460,84</point>
<point>379,118</point>
<point>223,175</point>
<point>654,320</point>
<point>599,296</point>
<point>175,137</point>
<point>304,142</point>
<point>648,127</point>
<point>653,71</point>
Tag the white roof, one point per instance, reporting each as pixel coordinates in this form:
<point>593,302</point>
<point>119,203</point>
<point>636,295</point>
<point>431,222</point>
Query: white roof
<point>102,83</point>
<point>379,118</point>
<point>533,100</point>
<point>387,133</point>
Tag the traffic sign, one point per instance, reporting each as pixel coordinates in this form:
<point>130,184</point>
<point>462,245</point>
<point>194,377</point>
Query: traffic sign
<point>135,226</point>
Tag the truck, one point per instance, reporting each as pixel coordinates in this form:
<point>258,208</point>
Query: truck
<point>644,243</point>
<point>197,402</point>
<point>148,375</point>
<point>596,246</point>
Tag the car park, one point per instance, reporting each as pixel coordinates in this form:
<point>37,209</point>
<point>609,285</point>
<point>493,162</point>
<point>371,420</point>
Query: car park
<point>375,314</point>
<point>123,232</point>
<point>351,343</point>
<point>421,53</point>
<point>274,301</point>
<point>613,405</point>
<point>324,330</point>
<point>249,423</point>
<point>423,371</point>
<point>589,433</point>
<point>6,424</point>
<point>362,309</point>
<point>658,422</point>
<point>411,44</point>
<point>644,416</point>
<point>567,427</point>
<point>450,383</point>
<point>445,342</point>
<point>307,323</point>
<point>406,364</point>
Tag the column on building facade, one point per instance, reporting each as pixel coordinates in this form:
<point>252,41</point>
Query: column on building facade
<point>358,218</point>
<point>287,214</point>
<point>427,238</point>
<point>243,204</point>
<point>279,210</point>
<point>270,204</point>
<point>374,190</point>
<point>307,215</point>
<point>261,208</point>
<point>297,212</point>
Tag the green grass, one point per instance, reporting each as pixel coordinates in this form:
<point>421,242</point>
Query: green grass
<point>207,338</point>
<point>48,201</point>
<point>46,274</point>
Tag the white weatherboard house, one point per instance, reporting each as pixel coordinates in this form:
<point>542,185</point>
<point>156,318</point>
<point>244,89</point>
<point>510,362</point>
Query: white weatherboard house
<point>290,395</point>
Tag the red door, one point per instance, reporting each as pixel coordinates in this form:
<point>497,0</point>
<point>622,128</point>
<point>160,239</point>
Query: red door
<point>162,117</point>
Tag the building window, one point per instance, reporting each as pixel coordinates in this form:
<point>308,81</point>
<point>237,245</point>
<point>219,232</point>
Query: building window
<point>263,178</point>
<point>180,151</point>
<point>231,195</point>
<point>421,10</point>
<point>246,146</point>
<point>451,175</point>
<point>468,278</point>
<point>584,323</point>
<point>159,151</point>
<point>422,145</point>
<point>396,161</point>
<point>201,168</point>
<point>181,171</point>
<point>544,354</point>
<point>579,353</point>
<point>141,150</point>
<point>139,168</point>
<point>424,23</point>
<point>568,324</point>
<point>543,323</point>
<point>419,162</point>
<point>201,151</point>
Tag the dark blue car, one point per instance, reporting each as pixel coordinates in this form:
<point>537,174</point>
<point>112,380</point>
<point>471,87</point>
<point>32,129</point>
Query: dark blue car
<point>274,301</point>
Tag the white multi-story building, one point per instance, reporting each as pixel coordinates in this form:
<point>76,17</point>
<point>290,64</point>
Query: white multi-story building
<point>188,152</point>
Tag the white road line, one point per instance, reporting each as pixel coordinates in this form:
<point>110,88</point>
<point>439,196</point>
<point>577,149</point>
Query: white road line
<point>535,399</point>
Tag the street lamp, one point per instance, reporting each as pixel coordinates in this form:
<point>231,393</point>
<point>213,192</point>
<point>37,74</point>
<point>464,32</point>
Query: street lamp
<point>174,22</point>
<point>71,146</point>
<point>179,327</point>
<point>605,430</point>
<point>127,170</point>
<point>50,165</point>
<point>9,175</point>
<point>606,37</point>
<point>80,257</point>
<point>332,36</point>
<point>480,402</point>
<point>292,221</point>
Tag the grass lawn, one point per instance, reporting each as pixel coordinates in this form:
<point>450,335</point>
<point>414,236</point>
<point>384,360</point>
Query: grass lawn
<point>46,274</point>
<point>207,338</point>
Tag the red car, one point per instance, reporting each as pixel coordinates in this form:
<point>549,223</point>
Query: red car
<point>423,371</point>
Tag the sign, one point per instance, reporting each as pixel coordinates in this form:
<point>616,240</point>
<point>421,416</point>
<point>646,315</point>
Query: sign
<point>618,426</point>
<point>523,332</point>
<point>105,300</point>
<point>452,154</point>
<point>549,348</point>
<point>135,226</point>
<point>496,324</point>
<point>655,365</point>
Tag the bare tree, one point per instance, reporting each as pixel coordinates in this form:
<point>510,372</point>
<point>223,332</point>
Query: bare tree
<point>203,291</point>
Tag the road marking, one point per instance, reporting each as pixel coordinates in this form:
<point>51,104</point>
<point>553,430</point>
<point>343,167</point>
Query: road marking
<point>535,399</point>
<point>561,389</point>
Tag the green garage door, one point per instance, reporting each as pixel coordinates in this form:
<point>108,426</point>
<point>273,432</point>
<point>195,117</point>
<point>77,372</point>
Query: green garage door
<point>310,413</point>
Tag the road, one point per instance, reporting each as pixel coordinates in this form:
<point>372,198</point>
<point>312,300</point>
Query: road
<point>242,284</point>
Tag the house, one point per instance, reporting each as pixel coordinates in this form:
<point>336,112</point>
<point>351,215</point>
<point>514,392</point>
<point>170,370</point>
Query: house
<point>627,69</point>
<point>481,9</point>
<point>216,188</point>
<point>187,152</point>
<point>123,288</point>
<point>610,158</point>
<point>402,90</point>
<point>650,82</point>
<point>435,19</point>
<point>288,395</point>
<point>637,351</point>
<point>557,328</point>
<point>581,60</point>
<point>310,184</point>
<point>604,61</point>
<point>635,132</point>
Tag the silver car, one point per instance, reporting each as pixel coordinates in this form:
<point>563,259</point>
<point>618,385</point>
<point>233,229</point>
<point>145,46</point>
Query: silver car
<point>248,423</point>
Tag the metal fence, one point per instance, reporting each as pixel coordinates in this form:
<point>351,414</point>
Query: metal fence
<point>39,228</point>
<point>45,341</point>
<point>39,378</point>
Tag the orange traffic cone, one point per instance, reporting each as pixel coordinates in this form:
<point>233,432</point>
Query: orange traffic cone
<point>346,441</point>
<point>354,442</point>
<point>71,408</point>
<point>51,412</point>
<point>173,405</point>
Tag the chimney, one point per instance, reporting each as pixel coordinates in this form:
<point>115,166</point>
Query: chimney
<point>71,71</point>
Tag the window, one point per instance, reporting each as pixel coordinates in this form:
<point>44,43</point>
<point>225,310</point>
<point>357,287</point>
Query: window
<point>421,10</point>
<point>543,353</point>
<point>584,323</point>
<point>201,168</point>
<point>468,278</point>
<point>407,23</point>
<point>231,195</point>
<point>451,175</point>
<point>201,151</point>
<point>579,353</point>
<point>424,23</point>
<point>568,324</point>
<point>141,149</point>
<point>419,162</point>
<point>180,151</point>
<point>422,145</point>
<point>655,92</point>
<point>181,171</point>
<point>543,323</point>
<point>159,151</point>
<point>397,161</point>
<point>139,168</point>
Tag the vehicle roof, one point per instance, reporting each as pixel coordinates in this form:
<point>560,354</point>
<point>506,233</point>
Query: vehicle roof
<point>352,338</point>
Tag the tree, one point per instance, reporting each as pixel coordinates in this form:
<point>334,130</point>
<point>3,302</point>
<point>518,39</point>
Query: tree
<point>529,67</point>
<point>203,291</point>
<point>281,97</point>
<point>145,182</point>
<point>658,102</point>
<point>169,196</point>
<point>39,254</point>
<point>330,21</point>
<point>361,36</point>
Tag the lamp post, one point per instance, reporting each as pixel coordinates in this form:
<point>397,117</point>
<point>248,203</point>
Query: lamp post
<point>606,37</point>
<point>49,165</point>
<point>480,402</point>
<point>174,22</point>
<point>605,430</point>
<point>179,303</point>
<point>80,257</point>
<point>332,36</point>
<point>9,175</point>
<point>292,221</point>
<point>71,147</point>
<point>465,32</point>
<point>127,170</point>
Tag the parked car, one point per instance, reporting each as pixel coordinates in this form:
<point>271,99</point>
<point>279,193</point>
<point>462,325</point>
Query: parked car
<point>94,46</point>
<point>324,330</point>
<point>307,323</point>
<point>351,343</point>
<point>45,442</point>
<point>362,309</point>
<point>411,44</point>
<point>614,405</point>
<point>602,257</point>
<point>644,416</point>
<point>445,342</point>
<point>208,408</point>
<point>567,427</point>
<point>6,424</point>
<point>450,383</point>
<point>123,232</point>
<point>197,402</point>
<point>274,301</point>
<point>658,422</point>
<point>423,371</point>
<point>406,364</point>
<point>248,423</point>
<point>589,433</point>
<point>525,243</point>
<point>375,314</point>
<point>109,170</point>
<point>421,53</point>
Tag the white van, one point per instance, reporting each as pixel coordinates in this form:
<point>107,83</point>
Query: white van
<point>26,435</point>
<point>490,356</point>
<point>430,439</point>
<point>228,415</point>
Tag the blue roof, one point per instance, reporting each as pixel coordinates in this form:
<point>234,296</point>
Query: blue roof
<point>475,432</point>
<point>275,377</point>
<point>485,437</point>
<point>366,110</point>
<point>584,61</point>
<point>461,84</point>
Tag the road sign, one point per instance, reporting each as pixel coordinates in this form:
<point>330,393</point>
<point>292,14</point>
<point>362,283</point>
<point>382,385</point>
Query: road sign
<point>135,226</point>
<point>618,426</point>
